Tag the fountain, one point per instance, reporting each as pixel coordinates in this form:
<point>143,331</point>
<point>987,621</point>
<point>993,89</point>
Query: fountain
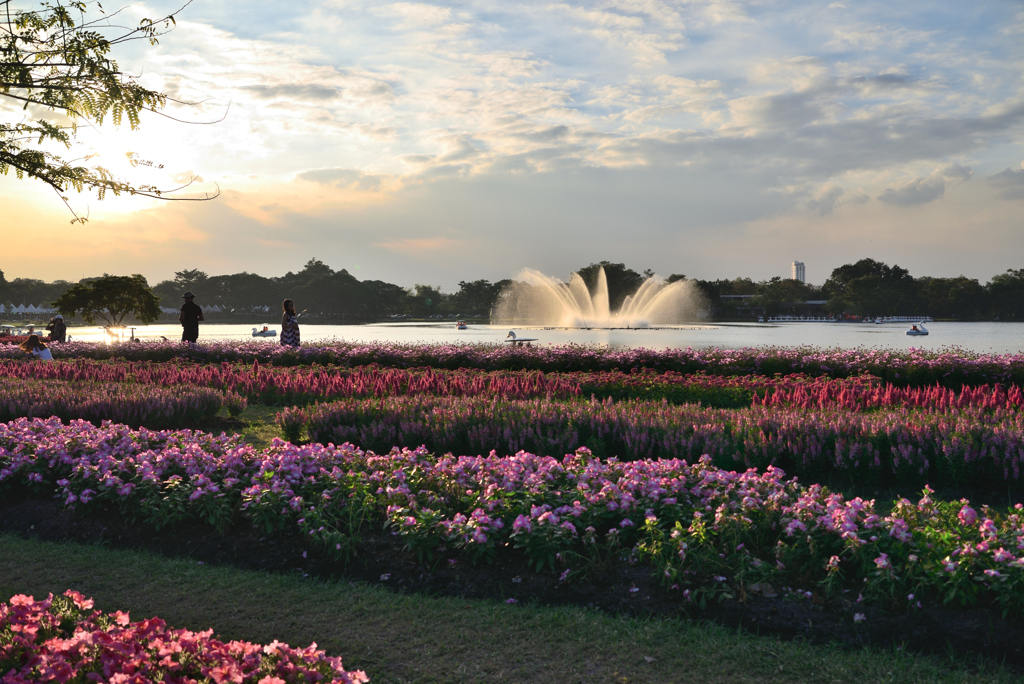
<point>536,299</point>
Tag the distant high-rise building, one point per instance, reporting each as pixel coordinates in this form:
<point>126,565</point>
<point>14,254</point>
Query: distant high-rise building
<point>798,271</point>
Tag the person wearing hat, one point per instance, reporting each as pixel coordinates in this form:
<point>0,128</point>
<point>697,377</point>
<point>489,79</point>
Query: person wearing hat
<point>189,318</point>
<point>58,331</point>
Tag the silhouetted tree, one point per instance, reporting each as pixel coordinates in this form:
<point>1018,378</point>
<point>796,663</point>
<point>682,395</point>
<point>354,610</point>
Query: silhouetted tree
<point>871,287</point>
<point>961,297</point>
<point>110,298</point>
<point>476,297</point>
<point>622,281</point>
<point>1006,294</point>
<point>779,295</point>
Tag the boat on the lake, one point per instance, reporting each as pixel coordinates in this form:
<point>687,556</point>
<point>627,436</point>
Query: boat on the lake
<point>918,329</point>
<point>266,332</point>
<point>461,325</point>
<point>518,341</point>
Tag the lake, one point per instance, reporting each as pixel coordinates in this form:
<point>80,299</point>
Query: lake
<point>988,337</point>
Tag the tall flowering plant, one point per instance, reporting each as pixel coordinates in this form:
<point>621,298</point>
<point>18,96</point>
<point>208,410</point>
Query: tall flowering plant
<point>949,367</point>
<point>133,404</point>
<point>970,445</point>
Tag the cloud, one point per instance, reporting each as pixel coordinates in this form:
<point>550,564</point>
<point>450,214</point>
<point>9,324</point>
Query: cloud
<point>924,190</point>
<point>826,200</point>
<point>773,111</point>
<point>917,191</point>
<point>298,91</point>
<point>1010,183</point>
<point>415,246</point>
<point>342,178</point>
<point>415,14</point>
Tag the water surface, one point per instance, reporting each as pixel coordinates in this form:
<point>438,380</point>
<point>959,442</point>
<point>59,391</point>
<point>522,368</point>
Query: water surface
<point>990,337</point>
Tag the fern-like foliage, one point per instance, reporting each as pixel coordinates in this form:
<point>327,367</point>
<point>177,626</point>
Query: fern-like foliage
<point>57,64</point>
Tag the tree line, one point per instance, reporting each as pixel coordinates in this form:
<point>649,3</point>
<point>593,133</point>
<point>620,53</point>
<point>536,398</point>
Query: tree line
<point>873,288</point>
<point>866,288</point>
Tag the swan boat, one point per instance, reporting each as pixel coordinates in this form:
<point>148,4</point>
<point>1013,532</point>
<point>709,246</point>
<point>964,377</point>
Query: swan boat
<point>266,332</point>
<point>518,341</point>
<point>918,329</point>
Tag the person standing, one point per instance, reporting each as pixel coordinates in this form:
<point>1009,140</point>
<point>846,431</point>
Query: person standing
<point>58,331</point>
<point>189,318</point>
<point>289,325</point>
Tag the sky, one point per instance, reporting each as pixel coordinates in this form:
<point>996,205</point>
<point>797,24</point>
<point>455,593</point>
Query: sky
<point>432,143</point>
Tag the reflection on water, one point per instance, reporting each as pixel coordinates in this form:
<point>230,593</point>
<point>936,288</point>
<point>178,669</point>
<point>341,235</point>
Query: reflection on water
<point>993,337</point>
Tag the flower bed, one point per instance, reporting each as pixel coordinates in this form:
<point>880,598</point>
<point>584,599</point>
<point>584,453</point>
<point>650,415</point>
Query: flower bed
<point>132,404</point>
<point>968,447</point>
<point>272,385</point>
<point>303,385</point>
<point>62,639</point>
<point>914,368</point>
<point>703,530</point>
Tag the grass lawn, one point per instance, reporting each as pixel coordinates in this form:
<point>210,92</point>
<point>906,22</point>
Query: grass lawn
<point>413,638</point>
<point>256,425</point>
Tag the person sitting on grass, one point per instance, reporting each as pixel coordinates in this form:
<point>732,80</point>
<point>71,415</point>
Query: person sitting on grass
<point>34,346</point>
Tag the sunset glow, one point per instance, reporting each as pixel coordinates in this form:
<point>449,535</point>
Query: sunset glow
<point>438,143</point>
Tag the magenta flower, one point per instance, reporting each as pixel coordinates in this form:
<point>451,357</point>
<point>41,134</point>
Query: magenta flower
<point>967,516</point>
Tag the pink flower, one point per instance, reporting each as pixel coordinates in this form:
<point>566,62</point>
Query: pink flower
<point>967,516</point>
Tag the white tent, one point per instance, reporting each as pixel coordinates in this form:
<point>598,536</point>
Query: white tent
<point>31,308</point>
<point>20,309</point>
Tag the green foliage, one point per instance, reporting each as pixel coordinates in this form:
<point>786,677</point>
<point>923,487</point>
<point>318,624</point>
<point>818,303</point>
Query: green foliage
<point>1007,293</point>
<point>111,298</point>
<point>870,287</point>
<point>189,279</point>
<point>777,295</point>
